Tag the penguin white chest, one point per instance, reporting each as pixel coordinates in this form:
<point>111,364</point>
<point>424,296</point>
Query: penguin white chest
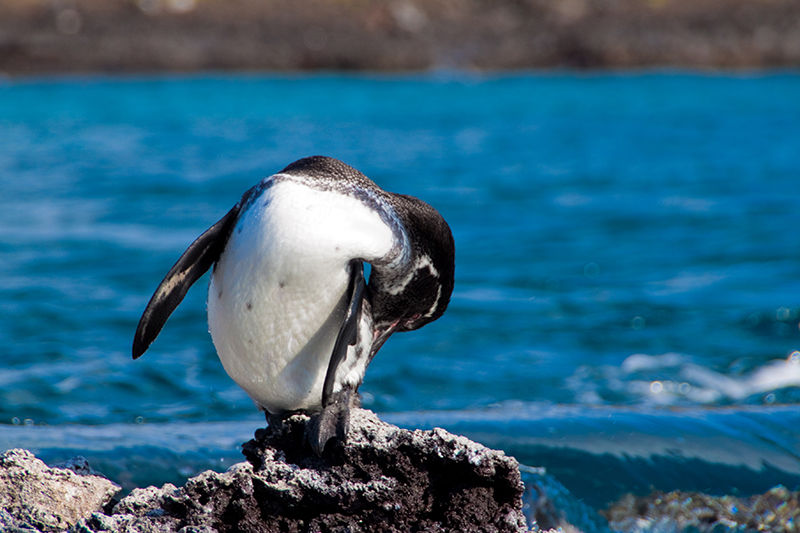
<point>278,293</point>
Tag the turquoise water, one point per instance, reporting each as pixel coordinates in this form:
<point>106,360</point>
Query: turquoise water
<point>628,243</point>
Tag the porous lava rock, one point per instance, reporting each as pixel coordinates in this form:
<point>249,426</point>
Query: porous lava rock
<point>34,496</point>
<point>384,479</point>
<point>387,479</point>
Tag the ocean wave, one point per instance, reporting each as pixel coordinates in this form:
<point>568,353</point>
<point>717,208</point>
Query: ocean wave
<point>679,379</point>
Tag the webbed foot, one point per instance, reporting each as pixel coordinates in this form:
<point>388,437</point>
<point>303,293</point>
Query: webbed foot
<point>332,422</point>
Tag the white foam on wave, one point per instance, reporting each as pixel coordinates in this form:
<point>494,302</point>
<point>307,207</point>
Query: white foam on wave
<point>673,379</point>
<point>683,282</point>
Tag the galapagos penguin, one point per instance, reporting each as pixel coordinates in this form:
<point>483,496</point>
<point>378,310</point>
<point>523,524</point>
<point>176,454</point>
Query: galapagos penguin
<point>293,319</point>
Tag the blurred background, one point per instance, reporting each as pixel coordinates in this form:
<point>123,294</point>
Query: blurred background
<point>189,35</point>
<point>620,177</point>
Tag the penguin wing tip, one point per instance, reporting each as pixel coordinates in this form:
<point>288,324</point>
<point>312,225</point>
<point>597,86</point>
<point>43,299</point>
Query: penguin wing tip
<point>140,346</point>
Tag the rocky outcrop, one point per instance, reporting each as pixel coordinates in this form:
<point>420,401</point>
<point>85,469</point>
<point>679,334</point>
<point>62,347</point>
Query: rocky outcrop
<point>397,479</point>
<point>384,479</point>
<point>777,511</point>
<point>33,495</point>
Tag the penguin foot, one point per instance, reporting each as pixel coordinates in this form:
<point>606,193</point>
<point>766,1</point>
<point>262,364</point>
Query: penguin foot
<point>274,420</point>
<point>332,422</point>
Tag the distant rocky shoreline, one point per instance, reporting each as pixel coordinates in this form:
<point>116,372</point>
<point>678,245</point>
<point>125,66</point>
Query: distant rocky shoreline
<point>123,36</point>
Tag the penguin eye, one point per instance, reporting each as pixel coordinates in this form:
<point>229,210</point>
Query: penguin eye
<point>410,323</point>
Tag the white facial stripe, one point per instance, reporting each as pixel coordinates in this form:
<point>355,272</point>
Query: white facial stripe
<point>422,262</point>
<point>435,302</point>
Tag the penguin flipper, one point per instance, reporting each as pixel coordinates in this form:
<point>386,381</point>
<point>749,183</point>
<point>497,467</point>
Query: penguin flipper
<point>348,332</point>
<point>334,419</point>
<point>194,262</point>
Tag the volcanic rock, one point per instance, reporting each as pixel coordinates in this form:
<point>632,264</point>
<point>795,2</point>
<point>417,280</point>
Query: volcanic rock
<point>777,511</point>
<point>383,479</point>
<point>48,499</point>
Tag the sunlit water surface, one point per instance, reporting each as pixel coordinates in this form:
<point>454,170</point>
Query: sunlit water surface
<point>625,243</point>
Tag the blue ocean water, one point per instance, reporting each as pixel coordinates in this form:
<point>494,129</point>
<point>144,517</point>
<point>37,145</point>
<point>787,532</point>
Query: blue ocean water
<point>628,248</point>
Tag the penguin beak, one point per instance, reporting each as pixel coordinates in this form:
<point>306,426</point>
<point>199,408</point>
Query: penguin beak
<point>381,335</point>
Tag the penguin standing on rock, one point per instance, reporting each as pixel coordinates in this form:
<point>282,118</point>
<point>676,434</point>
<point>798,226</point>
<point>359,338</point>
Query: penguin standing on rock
<point>294,321</point>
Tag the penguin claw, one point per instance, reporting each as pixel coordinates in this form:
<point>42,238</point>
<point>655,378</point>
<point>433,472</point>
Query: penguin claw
<point>333,422</point>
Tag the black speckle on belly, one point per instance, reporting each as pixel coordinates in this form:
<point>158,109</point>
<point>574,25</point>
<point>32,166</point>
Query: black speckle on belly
<point>219,295</point>
<point>249,306</point>
<point>281,284</point>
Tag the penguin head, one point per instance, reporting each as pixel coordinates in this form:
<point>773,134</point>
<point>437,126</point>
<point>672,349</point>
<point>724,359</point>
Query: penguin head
<point>407,299</point>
